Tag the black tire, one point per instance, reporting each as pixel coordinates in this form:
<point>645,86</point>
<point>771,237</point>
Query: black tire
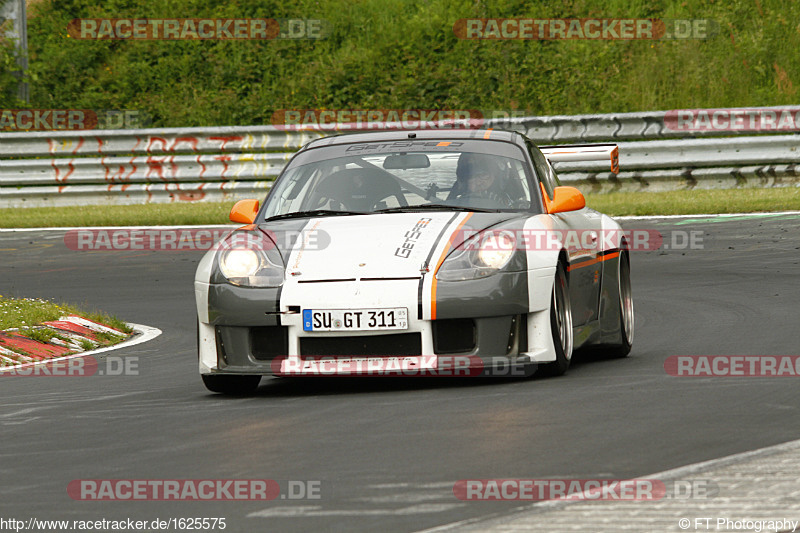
<point>626,327</point>
<point>230,384</point>
<point>560,324</point>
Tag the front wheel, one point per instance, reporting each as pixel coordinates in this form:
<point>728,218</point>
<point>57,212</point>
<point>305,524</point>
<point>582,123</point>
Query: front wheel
<point>625,309</point>
<point>230,384</point>
<point>560,324</point>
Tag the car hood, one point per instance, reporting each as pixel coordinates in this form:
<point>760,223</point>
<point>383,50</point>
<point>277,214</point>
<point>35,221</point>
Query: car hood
<point>396,245</point>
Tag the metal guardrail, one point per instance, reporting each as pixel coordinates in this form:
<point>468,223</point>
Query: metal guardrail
<point>649,125</point>
<point>227,163</point>
<point>139,166</point>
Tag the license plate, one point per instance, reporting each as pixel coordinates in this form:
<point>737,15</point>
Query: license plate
<point>355,319</point>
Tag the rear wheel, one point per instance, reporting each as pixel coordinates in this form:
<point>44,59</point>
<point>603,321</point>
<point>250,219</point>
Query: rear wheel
<point>560,324</point>
<point>625,309</point>
<point>229,384</point>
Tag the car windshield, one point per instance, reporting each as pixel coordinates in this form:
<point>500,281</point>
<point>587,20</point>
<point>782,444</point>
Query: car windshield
<point>370,180</point>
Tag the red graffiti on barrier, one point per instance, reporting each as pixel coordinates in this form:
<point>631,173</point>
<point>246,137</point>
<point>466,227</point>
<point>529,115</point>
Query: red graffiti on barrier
<point>193,141</point>
<point>226,140</point>
<point>224,159</point>
<point>202,167</point>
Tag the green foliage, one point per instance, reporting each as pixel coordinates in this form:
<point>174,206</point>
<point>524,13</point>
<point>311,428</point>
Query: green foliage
<point>404,54</point>
<point>41,335</point>
<point>8,81</point>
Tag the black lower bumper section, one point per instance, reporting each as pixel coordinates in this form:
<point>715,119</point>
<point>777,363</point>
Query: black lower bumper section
<point>487,345</point>
<point>240,346</point>
<point>454,335</point>
<point>364,345</point>
<point>269,342</point>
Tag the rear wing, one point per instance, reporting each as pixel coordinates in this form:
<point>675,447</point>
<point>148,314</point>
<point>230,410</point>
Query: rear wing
<point>583,152</point>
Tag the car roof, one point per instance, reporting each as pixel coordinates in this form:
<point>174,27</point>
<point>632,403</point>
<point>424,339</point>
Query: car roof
<point>404,135</point>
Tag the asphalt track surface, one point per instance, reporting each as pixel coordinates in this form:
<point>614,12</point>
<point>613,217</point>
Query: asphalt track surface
<point>386,452</point>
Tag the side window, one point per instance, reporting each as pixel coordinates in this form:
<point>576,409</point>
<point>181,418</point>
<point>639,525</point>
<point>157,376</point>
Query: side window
<point>543,170</point>
<point>554,175</point>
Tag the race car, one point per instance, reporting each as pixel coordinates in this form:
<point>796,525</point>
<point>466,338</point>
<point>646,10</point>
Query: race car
<point>430,252</point>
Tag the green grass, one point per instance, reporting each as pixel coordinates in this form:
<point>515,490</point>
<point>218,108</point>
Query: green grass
<point>27,312</point>
<point>121,215</point>
<point>631,203</point>
<point>108,320</point>
<point>41,335</point>
<point>22,312</point>
<point>108,338</point>
<point>696,201</point>
<point>86,344</point>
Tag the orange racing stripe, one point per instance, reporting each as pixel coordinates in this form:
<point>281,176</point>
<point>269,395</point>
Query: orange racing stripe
<point>593,261</point>
<point>439,263</point>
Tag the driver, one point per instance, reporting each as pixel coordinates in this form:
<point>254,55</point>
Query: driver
<point>480,176</point>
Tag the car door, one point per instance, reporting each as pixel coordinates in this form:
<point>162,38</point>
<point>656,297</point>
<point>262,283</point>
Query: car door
<point>580,233</point>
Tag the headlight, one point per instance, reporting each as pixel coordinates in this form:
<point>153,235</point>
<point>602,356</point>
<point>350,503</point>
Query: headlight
<point>480,256</point>
<point>496,249</point>
<point>250,262</point>
<point>239,263</point>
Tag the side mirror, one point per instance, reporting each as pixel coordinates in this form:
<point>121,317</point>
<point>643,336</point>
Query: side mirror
<point>565,199</point>
<point>244,211</point>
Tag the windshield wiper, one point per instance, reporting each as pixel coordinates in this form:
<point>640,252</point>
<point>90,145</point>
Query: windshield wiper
<point>313,213</point>
<point>412,208</point>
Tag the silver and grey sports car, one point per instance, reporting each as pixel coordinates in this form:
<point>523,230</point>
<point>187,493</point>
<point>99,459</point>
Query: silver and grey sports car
<point>435,252</point>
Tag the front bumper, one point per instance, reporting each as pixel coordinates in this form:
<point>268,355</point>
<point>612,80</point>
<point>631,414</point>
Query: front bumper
<point>482,328</point>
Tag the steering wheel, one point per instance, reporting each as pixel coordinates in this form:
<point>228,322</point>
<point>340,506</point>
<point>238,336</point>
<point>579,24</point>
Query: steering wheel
<point>358,189</point>
<point>401,200</point>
